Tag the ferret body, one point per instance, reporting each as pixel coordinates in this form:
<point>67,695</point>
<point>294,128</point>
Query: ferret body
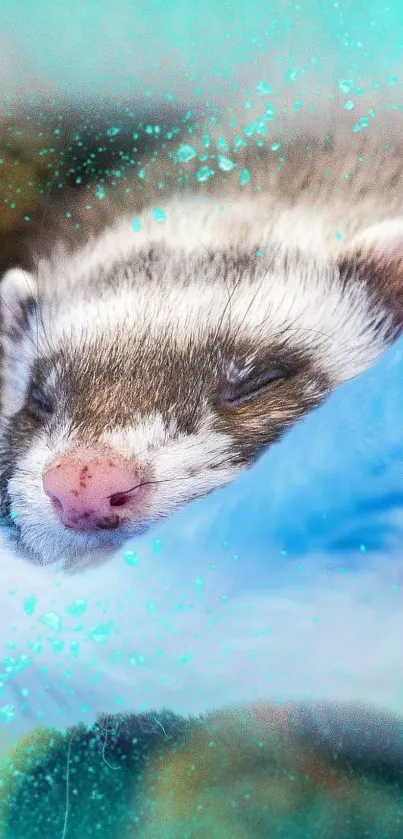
<point>153,363</point>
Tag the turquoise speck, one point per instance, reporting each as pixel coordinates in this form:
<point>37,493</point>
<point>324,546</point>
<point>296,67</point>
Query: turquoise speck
<point>349,105</point>
<point>225,164</point>
<point>222,144</point>
<point>263,88</point>
<point>130,558</point>
<point>77,608</point>
<point>204,173</point>
<point>52,620</point>
<point>256,127</point>
<point>244,177</point>
<point>29,605</point>
<point>159,215</point>
<point>75,649</point>
<point>157,546</point>
<point>185,153</point>
<point>364,121</point>
<point>7,713</point>
<point>57,644</point>
<point>113,131</point>
<point>136,225</point>
<point>339,235</point>
<point>275,146</point>
<point>137,660</point>
<point>345,85</point>
<point>100,633</point>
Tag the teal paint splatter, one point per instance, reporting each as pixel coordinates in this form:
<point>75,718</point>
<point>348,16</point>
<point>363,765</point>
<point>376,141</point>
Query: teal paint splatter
<point>77,608</point>
<point>158,215</point>
<point>222,144</point>
<point>131,558</point>
<point>29,605</point>
<point>225,164</point>
<point>75,649</point>
<point>345,85</point>
<point>256,127</point>
<point>263,88</point>
<point>7,713</point>
<point>244,177</point>
<point>185,153</point>
<point>52,620</point>
<point>100,633</point>
<point>157,546</point>
<point>57,644</point>
<point>137,660</point>
<point>204,174</point>
<point>363,122</point>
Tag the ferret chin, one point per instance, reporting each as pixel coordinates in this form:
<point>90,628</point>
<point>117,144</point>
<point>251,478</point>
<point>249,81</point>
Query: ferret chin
<point>157,361</point>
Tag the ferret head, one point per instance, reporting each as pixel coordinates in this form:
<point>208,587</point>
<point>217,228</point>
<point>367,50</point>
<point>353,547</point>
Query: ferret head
<point>134,384</point>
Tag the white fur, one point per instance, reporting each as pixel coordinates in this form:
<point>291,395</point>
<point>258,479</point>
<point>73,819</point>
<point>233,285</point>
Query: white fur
<point>386,238</point>
<point>303,304</point>
<point>180,466</point>
<point>306,305</point>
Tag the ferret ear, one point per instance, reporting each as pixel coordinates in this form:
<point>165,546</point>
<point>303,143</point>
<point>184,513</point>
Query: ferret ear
<point>18,295</point>
<point>374,260</point>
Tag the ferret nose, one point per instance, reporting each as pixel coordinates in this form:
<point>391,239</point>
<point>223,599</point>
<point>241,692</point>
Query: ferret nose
<point>92,490</point>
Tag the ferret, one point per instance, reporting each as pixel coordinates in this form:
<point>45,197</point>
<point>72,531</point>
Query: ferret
<point>156,361</point>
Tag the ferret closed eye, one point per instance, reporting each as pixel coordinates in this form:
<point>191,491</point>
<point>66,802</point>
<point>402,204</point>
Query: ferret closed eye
<point>153,364</point>
<point>245,385</point>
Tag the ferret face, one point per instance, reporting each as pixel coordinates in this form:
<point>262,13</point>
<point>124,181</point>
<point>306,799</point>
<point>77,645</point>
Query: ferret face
<point>135,386</point>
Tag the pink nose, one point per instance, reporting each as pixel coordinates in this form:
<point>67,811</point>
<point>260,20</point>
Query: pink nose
<point>92,490</point>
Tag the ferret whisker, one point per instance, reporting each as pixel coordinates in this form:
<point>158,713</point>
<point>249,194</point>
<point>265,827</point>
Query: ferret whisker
<point>152,483</point>
<point>258,290</point>
<point>229,292</point>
